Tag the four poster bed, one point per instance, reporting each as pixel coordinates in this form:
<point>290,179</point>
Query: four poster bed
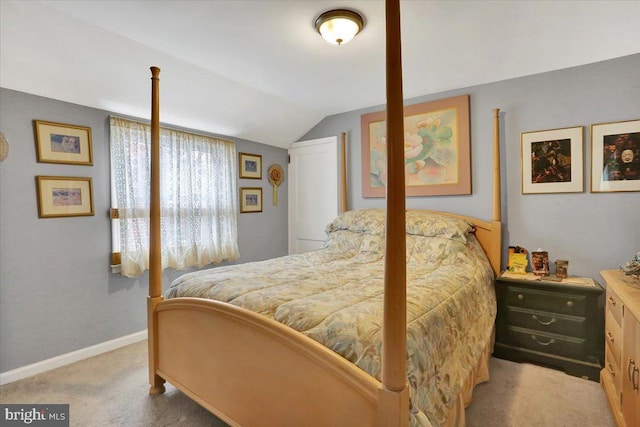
<point>333,337</point>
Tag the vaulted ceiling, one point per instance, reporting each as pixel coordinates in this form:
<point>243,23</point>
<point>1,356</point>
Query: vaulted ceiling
<point>257,70</point>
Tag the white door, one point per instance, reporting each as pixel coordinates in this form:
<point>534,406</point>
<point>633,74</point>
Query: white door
<point>313,192</point>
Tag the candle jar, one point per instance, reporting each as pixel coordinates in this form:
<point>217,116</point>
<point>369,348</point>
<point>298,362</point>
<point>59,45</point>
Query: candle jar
<point>562,267</point>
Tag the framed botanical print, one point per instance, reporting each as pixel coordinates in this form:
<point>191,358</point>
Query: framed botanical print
<point>437,151</point>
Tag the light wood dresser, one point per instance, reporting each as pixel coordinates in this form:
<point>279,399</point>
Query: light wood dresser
<point>620,377</point>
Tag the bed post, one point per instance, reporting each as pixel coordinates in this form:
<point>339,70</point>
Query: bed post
<point>155,257</point>
<point>343,174</point>
<point>393,409</point>
<point>496,248</point>
<point>497,209</point>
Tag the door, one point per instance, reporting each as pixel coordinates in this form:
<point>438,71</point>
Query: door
<point>313,192</point>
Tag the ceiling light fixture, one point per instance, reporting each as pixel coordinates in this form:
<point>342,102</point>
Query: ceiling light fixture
<point>338,26</point>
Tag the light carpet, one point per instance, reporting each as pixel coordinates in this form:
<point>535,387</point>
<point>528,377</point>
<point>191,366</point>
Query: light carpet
<point>111,390</point>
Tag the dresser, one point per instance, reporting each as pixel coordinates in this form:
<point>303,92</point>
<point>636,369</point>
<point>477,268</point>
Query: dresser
<point>553,324</point>
<point>620,377</point>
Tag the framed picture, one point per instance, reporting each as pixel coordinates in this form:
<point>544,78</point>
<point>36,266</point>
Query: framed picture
<point>552,161</point>
<point>436,149</point>
<point>250,166</point>
<point>250,200</point>
<point>60,196</point>
<point>615,156</point>
<point>61,143</point>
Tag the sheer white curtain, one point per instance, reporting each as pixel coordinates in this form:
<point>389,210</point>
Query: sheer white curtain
<point>197,190</point>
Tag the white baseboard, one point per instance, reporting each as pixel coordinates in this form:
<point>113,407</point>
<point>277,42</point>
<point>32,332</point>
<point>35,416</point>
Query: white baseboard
<point>66,359</point>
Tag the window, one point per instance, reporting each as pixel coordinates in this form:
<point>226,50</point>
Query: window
<point>197,191</point>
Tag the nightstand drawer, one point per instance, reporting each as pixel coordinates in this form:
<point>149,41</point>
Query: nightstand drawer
<point>550,301</point>
<point>547,343</point>
<point>575,326</point>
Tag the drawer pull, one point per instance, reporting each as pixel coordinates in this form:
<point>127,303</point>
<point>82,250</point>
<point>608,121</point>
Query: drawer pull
<point>535,317</point>
<point>551,341</point>
<point>612,301</point>
<point>610,336</point>
<point>570,304</point>
<point>630,364</point>
<point>611,371</point>
<point>520,297</point>
<point>636,375</point>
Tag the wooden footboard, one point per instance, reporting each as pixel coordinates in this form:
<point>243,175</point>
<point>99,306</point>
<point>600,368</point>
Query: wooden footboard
<point>257,370</point>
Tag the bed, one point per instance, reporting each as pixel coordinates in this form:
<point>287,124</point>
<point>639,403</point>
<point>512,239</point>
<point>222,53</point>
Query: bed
<point>334,296</point>
<point>400,334</point>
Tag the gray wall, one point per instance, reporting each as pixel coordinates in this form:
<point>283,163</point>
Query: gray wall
<point>57,293</point>
<point>594,231</point>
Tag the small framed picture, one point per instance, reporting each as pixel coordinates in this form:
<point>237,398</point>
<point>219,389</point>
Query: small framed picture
<point>60,196</point>
<point>615,156</point>
<point>552,161</point>
<point>250,200</point>
<point>250,166</point>
<point>62,143</point>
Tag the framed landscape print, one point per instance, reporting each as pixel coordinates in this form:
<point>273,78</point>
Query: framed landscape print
<point>615,156</point>
<point>436,149</point>
<point>60,196</point>
<point>250,200</point>
<point>250,166</point>
<point>552,161</point>
<point>62,143</point>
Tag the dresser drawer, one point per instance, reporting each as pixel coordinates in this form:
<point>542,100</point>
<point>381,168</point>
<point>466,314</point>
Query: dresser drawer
<point>575,326</point>
<point>613,335</point>
<point>614,306</point>
<point>550,301</point>
<point>547,343</point>
<point>612,367</point>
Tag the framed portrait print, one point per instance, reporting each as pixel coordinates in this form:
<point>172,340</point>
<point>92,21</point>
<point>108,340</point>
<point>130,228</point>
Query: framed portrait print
<point>60,196</point>
<point>250,166</point>
<point>552,161</point>
<point>250,200</point>
<point>62,143</point>
<point>615,156</point>
<point>436,149</point>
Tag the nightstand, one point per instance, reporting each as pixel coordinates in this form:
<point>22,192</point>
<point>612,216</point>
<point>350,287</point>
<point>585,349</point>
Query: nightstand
<point>553,324</point>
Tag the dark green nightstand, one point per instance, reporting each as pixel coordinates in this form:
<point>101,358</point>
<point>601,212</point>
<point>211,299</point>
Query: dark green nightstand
<point>555,324</point>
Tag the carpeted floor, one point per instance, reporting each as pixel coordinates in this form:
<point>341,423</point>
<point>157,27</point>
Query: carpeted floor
<point>112,390</point>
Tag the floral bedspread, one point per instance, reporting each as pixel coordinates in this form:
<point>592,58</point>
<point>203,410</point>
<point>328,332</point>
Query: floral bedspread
<point>335,296</point>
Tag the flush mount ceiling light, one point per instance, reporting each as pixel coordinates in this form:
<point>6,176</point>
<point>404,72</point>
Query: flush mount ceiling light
<point>338,26</point>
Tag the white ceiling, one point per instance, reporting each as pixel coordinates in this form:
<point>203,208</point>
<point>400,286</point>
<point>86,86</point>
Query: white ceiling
<point>257,70</point>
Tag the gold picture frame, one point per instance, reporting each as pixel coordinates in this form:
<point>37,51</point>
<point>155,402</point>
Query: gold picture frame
<point>62,196</point>
<point>250,199</point>
<point>250,166</point>
<point>615,156</point>
<point>63,143</point>
<point>552,161</point>
<point>437,149</point>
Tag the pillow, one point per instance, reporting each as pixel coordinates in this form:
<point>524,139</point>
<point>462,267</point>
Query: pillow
<point>432,224</point>
<point>418,222</point>
<point>369,221</point>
